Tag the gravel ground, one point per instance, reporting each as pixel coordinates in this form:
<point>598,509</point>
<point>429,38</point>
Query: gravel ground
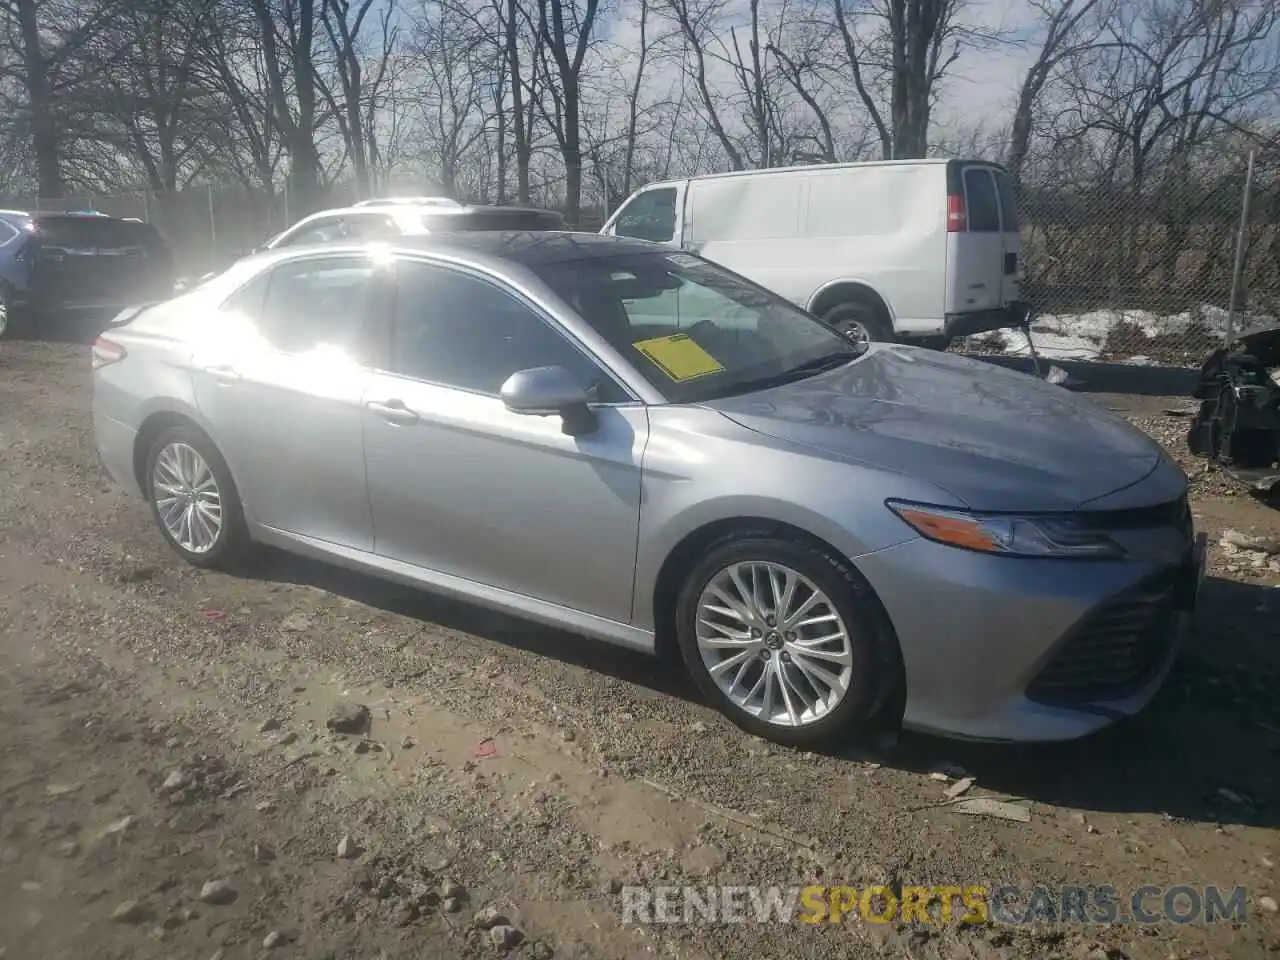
<point>171,785</point>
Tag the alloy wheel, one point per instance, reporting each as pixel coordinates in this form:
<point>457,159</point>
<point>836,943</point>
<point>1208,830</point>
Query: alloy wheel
<point>187,497</point>
<point>4,315</point>
<point>774,643</point>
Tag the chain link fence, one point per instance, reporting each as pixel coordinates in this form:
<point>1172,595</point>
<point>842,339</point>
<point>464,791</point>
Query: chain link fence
<point>1145,275</point>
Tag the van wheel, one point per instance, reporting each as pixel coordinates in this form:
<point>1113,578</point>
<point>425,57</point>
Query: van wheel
<point>860,321</point>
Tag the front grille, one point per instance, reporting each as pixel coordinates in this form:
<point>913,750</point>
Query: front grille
<point>1115,650</point>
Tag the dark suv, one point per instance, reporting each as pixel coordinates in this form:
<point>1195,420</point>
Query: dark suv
<point>68,265</point>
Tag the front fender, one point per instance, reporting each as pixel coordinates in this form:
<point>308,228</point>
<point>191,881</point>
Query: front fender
<point>700,469</point>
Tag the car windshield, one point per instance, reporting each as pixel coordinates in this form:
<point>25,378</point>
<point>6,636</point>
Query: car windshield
<point>694,330</point>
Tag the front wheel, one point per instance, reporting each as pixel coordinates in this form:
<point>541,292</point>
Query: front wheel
<point>194,500</point>
<point>783,638</point>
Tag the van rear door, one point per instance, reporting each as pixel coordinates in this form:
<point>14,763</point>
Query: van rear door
<point>1011,271</point>
<point>975,241</point>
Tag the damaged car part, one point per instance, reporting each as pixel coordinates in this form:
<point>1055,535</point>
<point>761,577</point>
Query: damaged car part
<point>1237,426</point>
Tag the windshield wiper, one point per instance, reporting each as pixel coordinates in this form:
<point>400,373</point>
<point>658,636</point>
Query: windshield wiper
<point>809,368</point>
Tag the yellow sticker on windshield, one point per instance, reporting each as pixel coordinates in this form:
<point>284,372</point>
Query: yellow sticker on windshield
<point>679,357</point>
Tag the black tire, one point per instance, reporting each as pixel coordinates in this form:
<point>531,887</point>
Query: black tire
<point>876,662</point>
<point>232,548</point>
<point>871,317</point>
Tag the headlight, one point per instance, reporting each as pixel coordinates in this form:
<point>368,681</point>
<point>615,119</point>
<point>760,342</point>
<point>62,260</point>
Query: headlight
<point>1020,536</point>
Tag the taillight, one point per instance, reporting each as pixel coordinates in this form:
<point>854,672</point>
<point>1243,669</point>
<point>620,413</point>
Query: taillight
<point>106,352</point>
<point>957,221</point>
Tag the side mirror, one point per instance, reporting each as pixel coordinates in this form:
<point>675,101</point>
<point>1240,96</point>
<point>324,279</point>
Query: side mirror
<point>550,391</point>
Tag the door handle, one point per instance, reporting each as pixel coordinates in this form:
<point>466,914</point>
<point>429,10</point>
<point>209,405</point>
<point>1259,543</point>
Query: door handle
<point>223,373</point>
<point>393,411</point>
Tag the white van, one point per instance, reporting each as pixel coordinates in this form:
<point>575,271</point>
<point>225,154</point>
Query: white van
<point>915,250</point>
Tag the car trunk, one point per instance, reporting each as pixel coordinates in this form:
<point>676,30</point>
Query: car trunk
<point>89,261</point>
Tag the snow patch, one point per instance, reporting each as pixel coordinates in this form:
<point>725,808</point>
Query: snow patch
<point>1084,336</point>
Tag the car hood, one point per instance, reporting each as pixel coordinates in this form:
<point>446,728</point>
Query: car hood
<point>994,438</point>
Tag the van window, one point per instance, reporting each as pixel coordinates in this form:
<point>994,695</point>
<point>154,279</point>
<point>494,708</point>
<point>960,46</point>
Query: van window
<point>1008,203</point>
<point>649,216</point>
<point>981,205</point>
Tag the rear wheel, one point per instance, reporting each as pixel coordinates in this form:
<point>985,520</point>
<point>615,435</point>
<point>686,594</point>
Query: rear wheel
<point>861,321</point>
<point>783,638</point>
<point>194,500</point>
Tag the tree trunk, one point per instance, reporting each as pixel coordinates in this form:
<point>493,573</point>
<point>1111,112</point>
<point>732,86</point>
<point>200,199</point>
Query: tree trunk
<point>44,125</point>
<point>520,128</point>
<point>572,153</point>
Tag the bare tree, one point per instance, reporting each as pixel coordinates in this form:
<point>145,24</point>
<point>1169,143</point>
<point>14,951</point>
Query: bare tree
<point>911,46</point>
<point>243,145</point>
<point>159,107</point>
<point>54,40</point>
<point>1067,33</point>
<point>454,53</point>
<point>287,33</point>
<point>566,32</point>
<point>635,91</point>
<point>697,20</point>
<point>360,77</point>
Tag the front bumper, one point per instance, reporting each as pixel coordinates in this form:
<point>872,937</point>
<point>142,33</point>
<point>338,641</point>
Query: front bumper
<point>980,634</point>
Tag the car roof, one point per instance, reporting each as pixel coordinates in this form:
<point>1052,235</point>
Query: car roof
<point>435,209</point>
<point>529,248</point>
<point>491,248</point>
<point>408,201</point>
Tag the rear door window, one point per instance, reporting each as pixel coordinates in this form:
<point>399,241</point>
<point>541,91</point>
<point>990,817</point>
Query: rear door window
<point>460,331</point>
<point>1008,203</point>
<point>982,207</point>
<point>250,299</point>
<point>649,216</point>
<point>328,302</point>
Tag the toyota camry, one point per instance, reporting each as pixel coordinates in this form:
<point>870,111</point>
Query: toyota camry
<point>638,445</point>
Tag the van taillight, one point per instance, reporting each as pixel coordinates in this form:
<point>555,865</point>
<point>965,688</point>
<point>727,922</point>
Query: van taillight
<point>106,352</point>
<point>957,222</point>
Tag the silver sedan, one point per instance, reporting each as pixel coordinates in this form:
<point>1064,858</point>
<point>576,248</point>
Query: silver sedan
<point>641,446</point>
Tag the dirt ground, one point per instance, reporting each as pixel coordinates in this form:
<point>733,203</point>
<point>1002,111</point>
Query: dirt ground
<point>169,789</point>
